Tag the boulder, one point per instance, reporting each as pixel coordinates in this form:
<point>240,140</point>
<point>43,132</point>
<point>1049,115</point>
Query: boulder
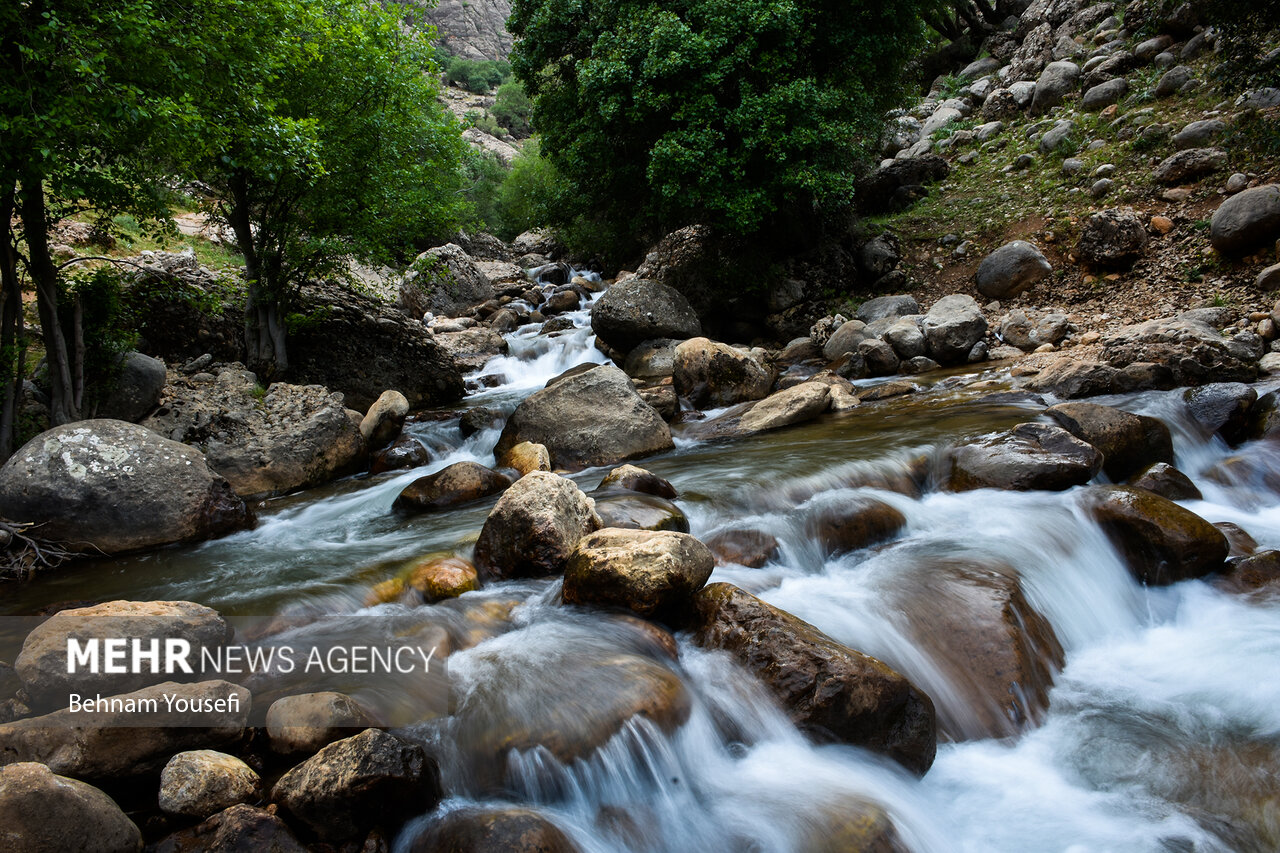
<point>853,524</point>
<point>305,723</point>
<point>202,782</point>
<point>845,339</point>
<point>952,327</point>
<point>879,357</point>
<point>135,391</point>
<point>472,348</point>
<point>1057,80</point>
<point>354,785</point>
<point>593,418</point>
<point>1011,269</point>
<point>132,734</point>
<point>797,404</point>
<point>654,574</point>
<point>1197,133</point>
<point>881,191</point>
<point>640,310</point>
<point>1190,348</point>
<point>651,359</point>
<point>1190,164</point>
<point>1056,137</point>
<point>239,829</point>
<point>905,337</point>
<point>1105,94</point>
<point>405,452</point>
<point>1222,408</point>
<point>1129,443</point>
<point>636,479</point>
<point>534,528</point>
<point>438,578</point>
<point>492,830</point>
<point>381,425</point>
<point>882,307</point>
<point>711,375</point>
<point>1259,572</point>
<point>1027,334</point>
<point>1172,81</point>
<point>636,511</point>
<point>1027,457</point>
<point>1167,482</point>
<point>461,482</point>
<point>1247,220</point>
<point>112,487</point>
<point>1113,239</point>
<point>1161,542</point>
<point>41,812</point>
<point>831,691</point>
<point>44,669</point>
<point>444,281</point>
<point>743,547</point>
<point>525,457</point>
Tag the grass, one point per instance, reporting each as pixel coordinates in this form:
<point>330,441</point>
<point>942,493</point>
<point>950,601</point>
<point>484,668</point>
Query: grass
<point>132,238</point>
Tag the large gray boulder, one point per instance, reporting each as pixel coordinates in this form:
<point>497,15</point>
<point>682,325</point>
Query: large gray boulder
<point>1011,269</point>
<point>1027,457</point>
<point>1113,239</point>
<point>135,390</point>
<point>639,310</point>
<point>1247,220</point>
<point>1197,133</point>
<point>1056,81</point>
<point>710,374</point>
<point>46,675</point>
<point>113,487</point>
<point>1190,164</point>
<point>952,327</point>
<point>534,528</point>
<point>882,307</point>
<point>444,281</point>
<point>44,813</point>
<point>845,339</point>
<point>1105,94</point>
<point>593,418</point>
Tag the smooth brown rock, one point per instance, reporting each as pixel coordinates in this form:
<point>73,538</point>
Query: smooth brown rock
<point>405,452</point>
<point>1161,542</point>
<point>351,786</point>
<point>750,548</point>
<point>829,690</point>
<point>1027,457</point>
<point>1129,443</point>
<point>795,405</point>
<point>493,830</point>
<point>305,723</point>
<point>44,813</point>
<point>852,826</point>
<point>1167,482</point>
<point>438,578</point>
<point>461,482</point>
<point>638,511</point>
<point>855,523</point>
<point>1257,573</point>
<point>637,479</point>
<point>1239,541</point>
<point>711,375</point>
<point>652,574</point>
<point>534,528</point>
<point>384,420</point>
<point>527,456</point>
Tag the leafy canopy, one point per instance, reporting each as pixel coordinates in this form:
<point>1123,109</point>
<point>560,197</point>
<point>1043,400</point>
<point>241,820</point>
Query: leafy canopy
<point>733,113</point>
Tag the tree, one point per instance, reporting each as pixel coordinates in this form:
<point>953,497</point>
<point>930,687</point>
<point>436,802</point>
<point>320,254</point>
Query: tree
<point>325,142</point>
<point>745,115</point>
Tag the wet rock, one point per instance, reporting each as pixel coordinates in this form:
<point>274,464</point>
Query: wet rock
<point>1011,269</point>
<point>438,578</point>
<point>202,782</point>
<point>663,399</point>
<point>888,390</point>
<point>654,574</point>
<point>640,310</point>
<point>710,374</point>
<point>492,830</point>
<point>1027,457</point>
<point>636,511</point>
<point>652,359</point>
<point>461,482</point>
<point>1161,542</point>
<point>829,690</point>
<point>1247,220</point>
<point>852,826</point>
<point>527,456</point>
<point>351,786</point>
<point>746,547</point>
<point>1167,482</point>
<point>117,743</point>
<point>1222,408</point>
<point>1259,572</point>
<point>1056,82</point>
<point>1113,239</point>
<point>472,348</point>
<point>405,452</point>
<point>534,528</point>
<point>854,523</point>
<point>113,487</point>
<point>1105,94</point>
<point>952,327</point>
<point>1190,164</point>
<point>637,479</point>
<point>593,418</point>
<point>41,812</point>
<point>239,829</point>
<point>798,404</point>
<point>305,723</point>
<point>879,357</point>
<point>882,307</point>
<point>444,281</point>
<point>1071,378</point>
<point>136,389</point>
<point>560,302</point>
<point>1239,542</point>
<point>384,420</point>
<point>45,671</point>
<point>1129,443</point>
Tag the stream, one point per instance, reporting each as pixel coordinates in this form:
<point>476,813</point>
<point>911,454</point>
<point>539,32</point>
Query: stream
<point>1162,732</point>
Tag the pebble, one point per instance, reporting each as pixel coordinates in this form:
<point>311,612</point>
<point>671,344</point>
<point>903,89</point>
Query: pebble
<point>1237,183</point>
<point>1162,224</point>
<point>1177,194</point>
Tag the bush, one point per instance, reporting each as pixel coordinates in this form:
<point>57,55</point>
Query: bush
<point>531,194</point>
<point>1249,39</point>
<point>477,76</point>
<point>109,329</point>
<point>483,173</point>
<point>513,109</point>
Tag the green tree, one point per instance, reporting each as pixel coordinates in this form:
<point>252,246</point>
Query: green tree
<point>740,114</point>
<point>325,142</point>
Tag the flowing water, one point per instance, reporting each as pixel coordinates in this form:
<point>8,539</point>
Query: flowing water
<point>1162,731</point>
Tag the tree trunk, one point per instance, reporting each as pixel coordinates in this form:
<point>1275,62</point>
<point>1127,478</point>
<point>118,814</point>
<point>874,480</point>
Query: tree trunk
<point>264,334</point>
<point>35,227</point>
<point>13,344</point>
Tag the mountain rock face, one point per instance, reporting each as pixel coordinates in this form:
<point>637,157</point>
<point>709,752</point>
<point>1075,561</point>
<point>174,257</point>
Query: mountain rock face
<point>473,29</point>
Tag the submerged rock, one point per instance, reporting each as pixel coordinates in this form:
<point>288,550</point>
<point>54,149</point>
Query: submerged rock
<point>829,690</point>
<point>492,830</point>
<point>1162,542</point>
<point>854,523</point>
<point>1027,457</point>
<point>746,547</point>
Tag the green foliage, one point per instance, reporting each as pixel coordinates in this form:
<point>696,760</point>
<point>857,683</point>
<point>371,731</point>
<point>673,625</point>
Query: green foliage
<point>483,175</point>
<point>1249,34</point>
<point>477,76</point>
<point>950,86</point>
<point>513,109</point>
<point>531,194</point>
<point>107,326</point>
<point>740,114</point>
